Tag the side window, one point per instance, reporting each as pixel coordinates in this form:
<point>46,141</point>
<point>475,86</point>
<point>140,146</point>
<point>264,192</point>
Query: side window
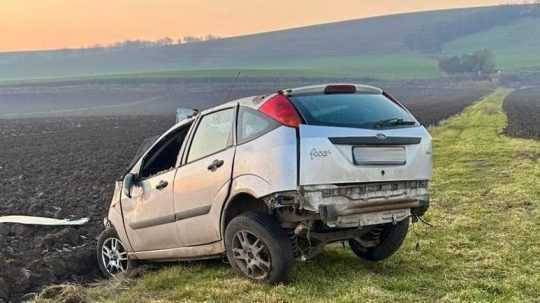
<point>213,134</point>
<point>164,154</point>
<point>252,124</point>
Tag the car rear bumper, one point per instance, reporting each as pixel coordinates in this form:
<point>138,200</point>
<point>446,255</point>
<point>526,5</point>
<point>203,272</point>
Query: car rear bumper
<point>362,204</point>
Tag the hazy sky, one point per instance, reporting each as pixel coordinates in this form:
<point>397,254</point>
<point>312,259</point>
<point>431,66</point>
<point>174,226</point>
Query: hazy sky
<point>45,24</point>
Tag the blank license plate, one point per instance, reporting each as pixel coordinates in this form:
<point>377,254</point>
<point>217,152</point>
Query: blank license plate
<point>379,155</point>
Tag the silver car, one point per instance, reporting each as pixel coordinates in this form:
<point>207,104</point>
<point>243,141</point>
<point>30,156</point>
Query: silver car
<point>268,179</point>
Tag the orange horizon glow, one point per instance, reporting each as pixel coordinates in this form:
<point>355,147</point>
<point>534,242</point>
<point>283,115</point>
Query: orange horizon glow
<point>54,24</point>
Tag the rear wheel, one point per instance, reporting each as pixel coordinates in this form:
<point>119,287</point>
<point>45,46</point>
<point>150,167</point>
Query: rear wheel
<point>387,238</point>
<point>111,254</point>
<point>258,248</point>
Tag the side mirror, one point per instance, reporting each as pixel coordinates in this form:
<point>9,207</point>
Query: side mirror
<point>129,181</point>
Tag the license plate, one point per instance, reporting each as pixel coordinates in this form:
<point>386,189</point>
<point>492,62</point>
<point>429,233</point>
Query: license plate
<point>364,155</point>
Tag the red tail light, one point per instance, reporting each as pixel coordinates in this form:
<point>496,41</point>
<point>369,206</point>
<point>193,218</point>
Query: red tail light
<point>280,109</point>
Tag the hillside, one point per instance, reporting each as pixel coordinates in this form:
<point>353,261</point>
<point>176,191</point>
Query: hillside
<point>396,46</point>
<point>516,45</point>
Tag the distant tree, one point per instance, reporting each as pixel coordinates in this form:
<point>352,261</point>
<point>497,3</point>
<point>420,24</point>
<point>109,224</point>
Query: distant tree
<point>484,62</point>
<point>164,42</point>
<point>211,37</point>
<point>481,62</point>
<point>192,39</point>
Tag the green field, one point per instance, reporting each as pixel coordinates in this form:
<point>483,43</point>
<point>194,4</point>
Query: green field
<point>516,46</point>
<point>484,245</point>
<point>392,67</point>
<point>388,67</point>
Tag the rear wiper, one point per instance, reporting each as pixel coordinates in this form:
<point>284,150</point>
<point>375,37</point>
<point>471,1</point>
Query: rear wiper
<point>393,122</point>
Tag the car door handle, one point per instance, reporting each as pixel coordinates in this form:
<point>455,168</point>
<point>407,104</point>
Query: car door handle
<point>215,165</point>
<point>162,184</point>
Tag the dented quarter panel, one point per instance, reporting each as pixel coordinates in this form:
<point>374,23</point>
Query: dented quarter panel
<point>267,164</point>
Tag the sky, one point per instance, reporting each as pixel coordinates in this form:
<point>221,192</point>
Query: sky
<point>52,24</point>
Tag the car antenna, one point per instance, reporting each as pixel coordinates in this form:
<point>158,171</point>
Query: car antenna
<point>229,93</point>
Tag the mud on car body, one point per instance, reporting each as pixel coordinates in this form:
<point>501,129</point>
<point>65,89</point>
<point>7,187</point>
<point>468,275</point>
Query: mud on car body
<point>267,179</point>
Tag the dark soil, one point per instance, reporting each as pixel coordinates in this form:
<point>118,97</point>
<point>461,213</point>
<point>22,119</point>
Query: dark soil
<point>523,110</point>
<point>65,167</point>
<point>61,168</point>
<point>431,105</point>
<point>444,97</point>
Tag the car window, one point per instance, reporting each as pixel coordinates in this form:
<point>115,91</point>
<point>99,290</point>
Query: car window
<point>351,110</point>
<point>213,134</point>
<point>164,154</point>
<point>252,124</point>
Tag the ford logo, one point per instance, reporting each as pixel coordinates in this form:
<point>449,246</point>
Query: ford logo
<point>381,136</point>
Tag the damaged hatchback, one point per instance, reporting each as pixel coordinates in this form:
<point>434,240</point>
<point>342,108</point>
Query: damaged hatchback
<point>265,180</point>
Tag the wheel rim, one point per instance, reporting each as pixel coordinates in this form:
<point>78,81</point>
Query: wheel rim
<point>251,255</point>
<point>114,256</point>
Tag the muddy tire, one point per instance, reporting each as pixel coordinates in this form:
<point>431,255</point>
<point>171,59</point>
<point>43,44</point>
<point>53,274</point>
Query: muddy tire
<point>258,248</point>
<point>390,238</point>
<point>112,255</point>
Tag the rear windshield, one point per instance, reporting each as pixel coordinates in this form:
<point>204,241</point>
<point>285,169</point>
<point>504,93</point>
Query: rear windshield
<point>352,110</point>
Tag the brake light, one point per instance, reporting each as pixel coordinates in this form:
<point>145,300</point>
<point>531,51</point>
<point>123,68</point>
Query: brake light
<point>280,109</point>
<point>340,89</point>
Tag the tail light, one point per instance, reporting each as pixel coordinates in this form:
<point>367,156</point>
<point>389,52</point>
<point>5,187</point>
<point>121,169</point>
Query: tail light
<point>281,109</point>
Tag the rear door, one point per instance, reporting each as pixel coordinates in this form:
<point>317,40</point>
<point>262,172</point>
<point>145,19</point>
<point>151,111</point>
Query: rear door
<point>202,183</point>
<point>353,138</point>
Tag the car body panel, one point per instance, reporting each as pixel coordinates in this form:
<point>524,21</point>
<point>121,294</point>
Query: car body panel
<point>207,251</point>
<point>199,194</point>
<point>149,214</point>
<point>323,162</point>
<point>266,164</point>
<point>115,216</point>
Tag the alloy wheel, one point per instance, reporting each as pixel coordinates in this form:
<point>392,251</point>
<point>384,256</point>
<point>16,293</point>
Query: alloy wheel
<point>251,255</point>
<point>114,256</point>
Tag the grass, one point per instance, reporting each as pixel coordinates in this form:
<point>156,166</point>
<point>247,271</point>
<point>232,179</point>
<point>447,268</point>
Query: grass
<point>484,246</point>
<point>513,45</point>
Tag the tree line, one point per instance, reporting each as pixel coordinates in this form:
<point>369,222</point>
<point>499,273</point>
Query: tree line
<point>166,41</point>
<point>481,62</point>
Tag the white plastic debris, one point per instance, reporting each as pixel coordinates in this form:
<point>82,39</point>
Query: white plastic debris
<point>29,220</point>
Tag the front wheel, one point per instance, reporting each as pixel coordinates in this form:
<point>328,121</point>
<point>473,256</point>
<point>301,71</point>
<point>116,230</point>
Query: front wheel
<point>387,238</point>
<point>258,248</point>
<point>111,254</point>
